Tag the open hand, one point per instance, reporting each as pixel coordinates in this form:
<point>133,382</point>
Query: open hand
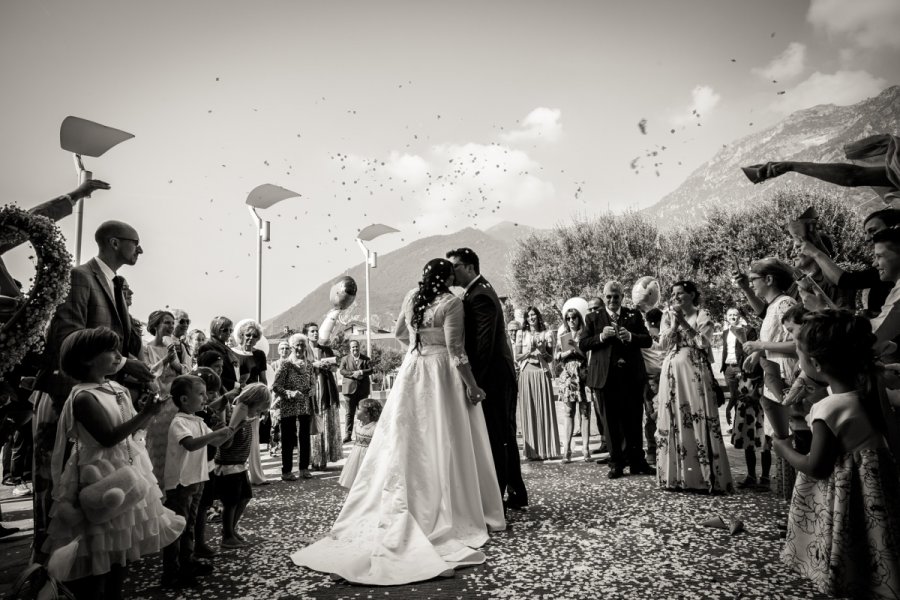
<point>87,188</point>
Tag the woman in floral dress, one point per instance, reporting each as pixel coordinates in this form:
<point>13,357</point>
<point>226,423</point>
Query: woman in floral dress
<point>690,451</point>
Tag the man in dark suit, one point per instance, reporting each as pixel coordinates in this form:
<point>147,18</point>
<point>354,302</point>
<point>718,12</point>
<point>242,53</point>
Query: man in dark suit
<point>616,373</point>
<point>95,299</point>
<point>355,371</point>
<point>490,357</point>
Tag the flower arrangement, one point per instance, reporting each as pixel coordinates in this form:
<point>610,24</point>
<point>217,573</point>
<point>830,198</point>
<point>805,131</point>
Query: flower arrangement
<point>24,330</point>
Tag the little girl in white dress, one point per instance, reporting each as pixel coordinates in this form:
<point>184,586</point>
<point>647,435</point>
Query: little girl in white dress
<point>366,418</point>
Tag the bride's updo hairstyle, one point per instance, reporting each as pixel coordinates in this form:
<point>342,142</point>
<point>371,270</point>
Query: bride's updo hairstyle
<point>433,284</point>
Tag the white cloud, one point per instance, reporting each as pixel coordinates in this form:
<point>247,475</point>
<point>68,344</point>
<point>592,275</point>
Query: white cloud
<point>868,23</point>
<point>841,88</point>
<point>785,66</point>
<point>409,168</point>
<point>703,100</point>
<point>541,124</point>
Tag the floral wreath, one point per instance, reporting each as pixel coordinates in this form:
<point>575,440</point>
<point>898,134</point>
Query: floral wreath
<point>24,330</point>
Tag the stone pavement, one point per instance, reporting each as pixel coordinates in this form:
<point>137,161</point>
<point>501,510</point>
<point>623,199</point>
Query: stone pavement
<point>584,536</point>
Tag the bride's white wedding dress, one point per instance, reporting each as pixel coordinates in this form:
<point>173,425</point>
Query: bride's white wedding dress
<point>426,494</point>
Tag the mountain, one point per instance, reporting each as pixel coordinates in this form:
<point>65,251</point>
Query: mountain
<point>399,271</point>
<point>816,134</point>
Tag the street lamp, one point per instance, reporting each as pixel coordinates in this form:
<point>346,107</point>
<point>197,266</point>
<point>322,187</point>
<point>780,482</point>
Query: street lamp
<point>83,137</point>
<point>263,196</point>
<point>367,235</point>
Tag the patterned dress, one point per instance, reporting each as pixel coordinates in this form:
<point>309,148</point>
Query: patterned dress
<point>690,451</point>
<point>844,530</point>
<point>327,444</point>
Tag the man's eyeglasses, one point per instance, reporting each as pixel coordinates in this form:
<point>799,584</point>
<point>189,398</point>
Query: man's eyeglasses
<point>754,277</point>
<point>125,239</point>
<point>613,296</point>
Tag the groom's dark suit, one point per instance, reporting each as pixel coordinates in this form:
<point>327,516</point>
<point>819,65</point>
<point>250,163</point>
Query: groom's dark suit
<point>617,374</point>
<point>492,365</point>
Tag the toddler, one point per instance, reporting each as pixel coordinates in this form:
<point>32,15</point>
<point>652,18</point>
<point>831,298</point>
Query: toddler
<point>367,417</point>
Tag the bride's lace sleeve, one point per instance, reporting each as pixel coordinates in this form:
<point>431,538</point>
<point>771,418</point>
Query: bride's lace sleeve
<point>454,331</point>
<point>401,329</point>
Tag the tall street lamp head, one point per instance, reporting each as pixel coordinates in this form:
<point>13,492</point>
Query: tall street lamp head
<point>87,138</point>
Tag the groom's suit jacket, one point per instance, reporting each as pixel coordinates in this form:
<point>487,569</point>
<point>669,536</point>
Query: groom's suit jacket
<point>612,353</point>
<point>487,346</point>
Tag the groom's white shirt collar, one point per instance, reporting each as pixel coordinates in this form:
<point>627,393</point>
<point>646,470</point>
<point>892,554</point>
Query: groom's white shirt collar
<point>614,313</point>
<point>471,283</point>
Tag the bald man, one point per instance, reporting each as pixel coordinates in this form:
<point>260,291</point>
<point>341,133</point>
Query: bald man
<point>96,299</point>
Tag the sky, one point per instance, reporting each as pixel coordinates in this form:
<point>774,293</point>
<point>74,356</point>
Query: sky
<point>425,116</point>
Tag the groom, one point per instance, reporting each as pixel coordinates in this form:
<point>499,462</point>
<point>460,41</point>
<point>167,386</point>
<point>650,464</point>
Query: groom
<point>492,365</point>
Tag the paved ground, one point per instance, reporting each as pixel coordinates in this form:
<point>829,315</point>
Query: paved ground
<point>583,537</point>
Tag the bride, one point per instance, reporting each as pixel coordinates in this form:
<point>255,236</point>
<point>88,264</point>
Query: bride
<point>426,494</point>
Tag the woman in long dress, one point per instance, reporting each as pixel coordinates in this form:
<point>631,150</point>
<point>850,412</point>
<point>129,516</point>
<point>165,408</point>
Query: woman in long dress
<point>327,442</point>
<point>690,451</point>
<point>426,495</point>
<point>537,411</point>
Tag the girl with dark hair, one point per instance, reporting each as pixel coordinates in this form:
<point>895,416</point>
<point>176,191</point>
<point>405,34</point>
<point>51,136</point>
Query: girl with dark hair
<point>426,488</point>
<point>691,454</point>
<point>572,379</point>
<point>100,417</point>
<point>844,520</point>
<point>537,411</point>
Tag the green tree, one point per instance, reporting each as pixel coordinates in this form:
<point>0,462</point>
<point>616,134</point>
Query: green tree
<point>576,259</point>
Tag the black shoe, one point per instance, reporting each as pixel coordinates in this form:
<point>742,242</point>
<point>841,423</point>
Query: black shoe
<point>347,439</point>
<point>643,469</point>
<point>199,568</point>
<point>615,473</point>
<point>603,461</point>
<point>515,504</point>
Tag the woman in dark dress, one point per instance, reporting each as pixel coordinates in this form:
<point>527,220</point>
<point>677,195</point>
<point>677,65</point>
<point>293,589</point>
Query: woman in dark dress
<point>252,367</point>
<point>327,444</point>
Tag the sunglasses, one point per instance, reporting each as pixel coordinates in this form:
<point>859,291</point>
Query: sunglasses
<point>613,296</point>
<point>184,321</point>
<point>571,318</point>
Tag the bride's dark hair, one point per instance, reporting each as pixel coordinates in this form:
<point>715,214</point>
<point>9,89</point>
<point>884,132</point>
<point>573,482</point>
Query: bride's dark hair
<point>433,284</point>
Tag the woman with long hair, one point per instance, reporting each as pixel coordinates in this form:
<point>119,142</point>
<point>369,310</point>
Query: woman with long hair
<point>426,493</point>
<point>533,352</point>
<point>572,380</point>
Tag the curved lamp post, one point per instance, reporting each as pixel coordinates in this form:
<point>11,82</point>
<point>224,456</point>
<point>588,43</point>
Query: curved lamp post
<point>367,235</point>
<point>262,197</point>
<point>83,137</point>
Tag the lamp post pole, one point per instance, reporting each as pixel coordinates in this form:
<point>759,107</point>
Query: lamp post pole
<point>263,196</point>
<point>368,314</point>
<point>368,234</point>
<point>86,138</point>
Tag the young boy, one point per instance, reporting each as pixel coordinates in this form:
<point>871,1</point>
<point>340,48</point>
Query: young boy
<point>186,470</point>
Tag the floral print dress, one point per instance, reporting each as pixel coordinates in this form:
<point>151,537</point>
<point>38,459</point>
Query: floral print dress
<point>690,451</point>
<point>844,530</point>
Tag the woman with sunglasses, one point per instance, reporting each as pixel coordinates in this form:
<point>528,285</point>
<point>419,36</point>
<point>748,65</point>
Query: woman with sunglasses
<point>572,379</point>
<point>533,352</point>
